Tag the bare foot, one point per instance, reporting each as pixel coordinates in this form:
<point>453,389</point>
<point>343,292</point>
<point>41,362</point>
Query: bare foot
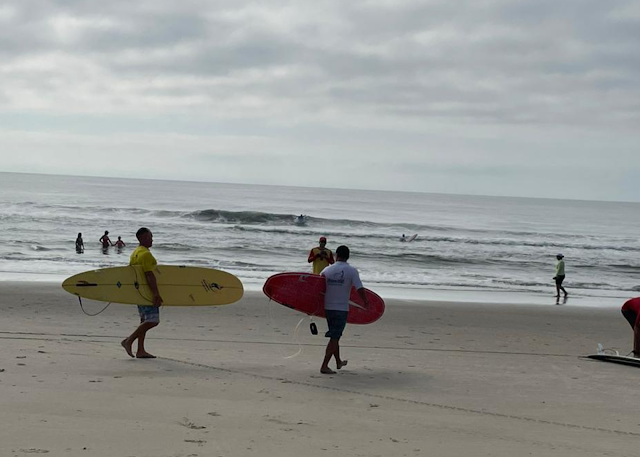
<point>127,347</point>
<point>327,371</point>
<point>342,364</point>
<point>144,355</point>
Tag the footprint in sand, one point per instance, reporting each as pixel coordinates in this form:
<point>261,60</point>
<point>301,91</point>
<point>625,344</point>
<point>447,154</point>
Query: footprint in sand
<point>190,425</point>
<point>198,442</point>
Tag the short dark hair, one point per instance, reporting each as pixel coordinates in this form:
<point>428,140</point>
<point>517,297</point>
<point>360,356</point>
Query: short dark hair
<point>141,231</point>
<point>342,252</point>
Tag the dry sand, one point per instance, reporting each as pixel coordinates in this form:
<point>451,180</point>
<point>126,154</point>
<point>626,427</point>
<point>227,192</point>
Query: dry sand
<point>438,379</point>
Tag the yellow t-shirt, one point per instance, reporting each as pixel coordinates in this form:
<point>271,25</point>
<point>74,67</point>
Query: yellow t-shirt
<point>143,257</point>
<point>319,263</point>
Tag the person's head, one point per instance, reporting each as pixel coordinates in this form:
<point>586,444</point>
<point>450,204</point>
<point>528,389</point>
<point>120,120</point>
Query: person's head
<point>145,237</point>
<point>79,235</point>
<point>342,253</point>
<point>119,238</point>
<point>106,232</point>
<point>559,256</point>
<point>322,241</point>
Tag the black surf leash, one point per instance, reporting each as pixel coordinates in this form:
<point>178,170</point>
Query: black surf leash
<point>88,314</point>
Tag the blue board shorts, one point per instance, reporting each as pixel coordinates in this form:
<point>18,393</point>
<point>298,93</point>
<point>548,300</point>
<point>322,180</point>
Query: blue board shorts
<point>337,321</point>
<point>149,314</point>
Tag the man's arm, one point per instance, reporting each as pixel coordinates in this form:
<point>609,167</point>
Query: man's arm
<point>363,295</point>
<point>636,341</point>
<point>312,256</point>
<point>153,285</point>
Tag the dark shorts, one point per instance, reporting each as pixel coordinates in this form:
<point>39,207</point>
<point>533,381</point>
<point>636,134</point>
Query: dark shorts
<point>559,280</point>
<point>337,321</point>
<point>630,316</point>
<point>149,314</point>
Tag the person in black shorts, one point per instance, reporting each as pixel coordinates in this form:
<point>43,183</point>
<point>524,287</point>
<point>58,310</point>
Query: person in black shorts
<point>559,277</point>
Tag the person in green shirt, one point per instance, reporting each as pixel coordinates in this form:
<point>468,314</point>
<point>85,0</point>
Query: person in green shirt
<point>149,315</point>
<point>559,277</point>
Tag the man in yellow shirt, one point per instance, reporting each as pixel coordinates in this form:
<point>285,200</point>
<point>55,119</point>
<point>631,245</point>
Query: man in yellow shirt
<point>149,315</point>
<point>321,257</point>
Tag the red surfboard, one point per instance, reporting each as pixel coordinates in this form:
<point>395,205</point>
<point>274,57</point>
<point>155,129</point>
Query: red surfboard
<point>304,292</point>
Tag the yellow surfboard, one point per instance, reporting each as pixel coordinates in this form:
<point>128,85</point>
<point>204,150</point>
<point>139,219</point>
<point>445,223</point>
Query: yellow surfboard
<point>178,286</point>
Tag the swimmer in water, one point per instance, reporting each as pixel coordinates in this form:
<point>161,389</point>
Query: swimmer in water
<point>104,239</point>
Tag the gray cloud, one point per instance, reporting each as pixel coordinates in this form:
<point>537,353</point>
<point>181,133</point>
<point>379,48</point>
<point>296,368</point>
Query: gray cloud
<point>370,74</point>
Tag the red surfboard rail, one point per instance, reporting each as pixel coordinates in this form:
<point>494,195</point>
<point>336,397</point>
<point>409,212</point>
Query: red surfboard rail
<point>304,292</point>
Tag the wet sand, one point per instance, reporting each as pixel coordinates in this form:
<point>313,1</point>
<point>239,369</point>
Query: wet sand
<point>430,378</point>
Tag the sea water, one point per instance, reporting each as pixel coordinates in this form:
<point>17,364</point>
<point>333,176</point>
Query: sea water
<point>472,248</point>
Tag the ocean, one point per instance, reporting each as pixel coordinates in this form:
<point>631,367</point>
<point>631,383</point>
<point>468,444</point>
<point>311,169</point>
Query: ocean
<point>472,248</point>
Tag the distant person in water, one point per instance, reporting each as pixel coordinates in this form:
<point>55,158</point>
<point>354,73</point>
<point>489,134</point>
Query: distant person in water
<point>104,239</point>
<point>149,315</point>
<point>560,275</point>
<point>631,312</point>
<point>321,257</point>
<point>119,243</point>
<point>79,244</point>
<point>340,277</point>
<point>404,238</point>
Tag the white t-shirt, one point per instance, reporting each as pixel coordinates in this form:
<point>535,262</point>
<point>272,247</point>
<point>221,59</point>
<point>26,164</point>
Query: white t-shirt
<point>340,278</point>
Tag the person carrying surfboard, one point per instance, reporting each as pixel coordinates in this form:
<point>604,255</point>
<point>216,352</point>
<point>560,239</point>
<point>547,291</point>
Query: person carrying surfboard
<point>339,277</point>
<point>320,256</point>
<point>631,312</point>
<point>149,315</point>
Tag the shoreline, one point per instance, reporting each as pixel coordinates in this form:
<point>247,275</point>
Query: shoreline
<point>511,298</point>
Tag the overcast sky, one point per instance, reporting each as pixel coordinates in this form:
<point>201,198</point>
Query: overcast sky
<point>524,98</point>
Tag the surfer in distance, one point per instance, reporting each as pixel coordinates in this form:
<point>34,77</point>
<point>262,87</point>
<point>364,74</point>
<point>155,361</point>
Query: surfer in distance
<point>560,275</point>
<point>104,239</point>
<point>79,244</point>
<point>403,238</point>
<point>631,312</point>
<point>149,315</point>
<point>340,277</point>
<point>321,257</point>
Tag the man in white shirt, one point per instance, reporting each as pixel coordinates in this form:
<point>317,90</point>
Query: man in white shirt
<point>340,277</point>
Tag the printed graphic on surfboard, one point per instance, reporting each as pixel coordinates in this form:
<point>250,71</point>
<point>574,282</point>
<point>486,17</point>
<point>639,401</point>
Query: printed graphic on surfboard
<point>304,292</point>
<point>178,286</point>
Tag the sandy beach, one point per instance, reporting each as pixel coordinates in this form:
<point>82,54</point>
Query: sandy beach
<point>430,378</point>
